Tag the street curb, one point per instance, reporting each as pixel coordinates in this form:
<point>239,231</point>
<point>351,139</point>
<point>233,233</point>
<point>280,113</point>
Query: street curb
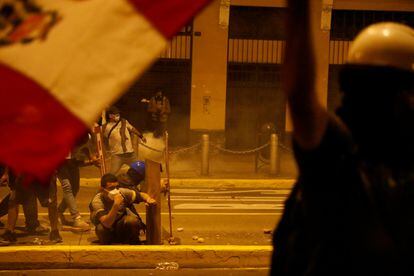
<point>127,256</point>
<point>214,183</point>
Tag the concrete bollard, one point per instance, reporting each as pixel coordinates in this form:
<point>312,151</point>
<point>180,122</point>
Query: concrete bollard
<point>205,145</point>
<point>274,143</point>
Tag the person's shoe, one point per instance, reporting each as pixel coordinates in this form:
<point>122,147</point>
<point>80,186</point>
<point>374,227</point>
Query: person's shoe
<point>38,230</point>
<point>62,219</point>
<point>81,224</point>
<point>54,236</point>
<point>8,237</point>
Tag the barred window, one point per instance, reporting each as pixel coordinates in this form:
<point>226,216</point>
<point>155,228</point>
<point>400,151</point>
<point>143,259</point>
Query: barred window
<point>346,24</point>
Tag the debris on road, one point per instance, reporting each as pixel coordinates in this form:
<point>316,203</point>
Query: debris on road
<point>200,240</point>
<point>267,231</point>
<point>167,266</point>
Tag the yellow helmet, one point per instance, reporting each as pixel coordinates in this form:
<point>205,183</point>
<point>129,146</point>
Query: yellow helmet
<point>384,44</point>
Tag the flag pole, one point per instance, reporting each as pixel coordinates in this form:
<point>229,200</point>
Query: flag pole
<point>171,239</point>
<point>100,149</point>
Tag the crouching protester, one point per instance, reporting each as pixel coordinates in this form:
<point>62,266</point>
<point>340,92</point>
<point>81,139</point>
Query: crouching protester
<point>113,212</point>
<point>134,177</point>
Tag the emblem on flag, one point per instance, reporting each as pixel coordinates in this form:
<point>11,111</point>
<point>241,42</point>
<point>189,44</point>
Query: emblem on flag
<point>53,90</point>
<point>23,21</point>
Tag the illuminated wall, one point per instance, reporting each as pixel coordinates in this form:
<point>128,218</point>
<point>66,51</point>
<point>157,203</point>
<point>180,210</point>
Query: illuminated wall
<point>209,71</point>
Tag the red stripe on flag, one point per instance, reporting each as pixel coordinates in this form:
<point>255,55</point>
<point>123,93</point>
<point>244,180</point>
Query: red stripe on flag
<point>169,16</point>
<point>36,131</point>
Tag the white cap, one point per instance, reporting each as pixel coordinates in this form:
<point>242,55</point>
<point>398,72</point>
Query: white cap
<point>384,44</point>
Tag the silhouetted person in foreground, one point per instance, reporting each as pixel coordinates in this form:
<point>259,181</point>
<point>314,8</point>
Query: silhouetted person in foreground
<point>351,211</point>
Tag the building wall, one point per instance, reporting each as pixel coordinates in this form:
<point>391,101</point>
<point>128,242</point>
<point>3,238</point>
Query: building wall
<point>198,89</point>
<point>210,56</point>
<point>209,71</point>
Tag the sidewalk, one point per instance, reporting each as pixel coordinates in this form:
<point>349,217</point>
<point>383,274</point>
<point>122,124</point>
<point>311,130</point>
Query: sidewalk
<point>80,252</point>
<point>134,257</point>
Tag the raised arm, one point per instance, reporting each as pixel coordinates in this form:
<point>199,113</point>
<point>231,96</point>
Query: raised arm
<point>308,116</point>
<point>136,132</point>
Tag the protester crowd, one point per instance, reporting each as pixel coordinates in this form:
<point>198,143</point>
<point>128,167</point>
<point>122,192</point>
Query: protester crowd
<point>112,208</point>
<point>351,210</point>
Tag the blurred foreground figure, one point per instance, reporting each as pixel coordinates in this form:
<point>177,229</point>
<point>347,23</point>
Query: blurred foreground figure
<point>351,211</point>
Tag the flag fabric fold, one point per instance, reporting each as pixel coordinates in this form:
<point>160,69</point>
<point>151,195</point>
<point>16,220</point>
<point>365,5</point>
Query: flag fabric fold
<point>62,62</point>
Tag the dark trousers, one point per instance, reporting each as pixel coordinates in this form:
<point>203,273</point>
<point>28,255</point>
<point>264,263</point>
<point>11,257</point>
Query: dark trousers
<point>27,199</point>
<point>124,231</point>
<point>30,212</point>
<point>159,128</point>
<point>4,205</point>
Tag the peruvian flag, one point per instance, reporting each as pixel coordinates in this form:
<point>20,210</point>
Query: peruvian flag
<point>63,61</point>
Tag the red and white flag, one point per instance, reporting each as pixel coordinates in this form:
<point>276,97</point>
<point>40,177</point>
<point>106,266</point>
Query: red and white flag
<point>63,61</point>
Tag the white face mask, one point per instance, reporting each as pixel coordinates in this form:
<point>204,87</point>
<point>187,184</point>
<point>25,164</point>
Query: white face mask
<point>116,117</point>
<point>113,193</point>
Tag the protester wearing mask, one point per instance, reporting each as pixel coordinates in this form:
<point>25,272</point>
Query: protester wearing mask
<point>134,177</point>
<point>113,214</point>
<point>159,107</point>
<point>118,133</point>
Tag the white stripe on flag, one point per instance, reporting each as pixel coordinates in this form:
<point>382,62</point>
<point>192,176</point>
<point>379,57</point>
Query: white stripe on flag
<point>91,56</point>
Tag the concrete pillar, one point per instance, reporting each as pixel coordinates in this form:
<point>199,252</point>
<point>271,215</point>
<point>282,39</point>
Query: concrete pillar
<point>209,70</point>
<point>100,149</point>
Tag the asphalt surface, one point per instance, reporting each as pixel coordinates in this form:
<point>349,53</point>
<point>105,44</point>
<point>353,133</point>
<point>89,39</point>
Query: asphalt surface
<point>225,216</point>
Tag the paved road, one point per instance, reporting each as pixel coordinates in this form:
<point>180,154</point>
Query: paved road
<point>222,216</point>
<point>219,216</point>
